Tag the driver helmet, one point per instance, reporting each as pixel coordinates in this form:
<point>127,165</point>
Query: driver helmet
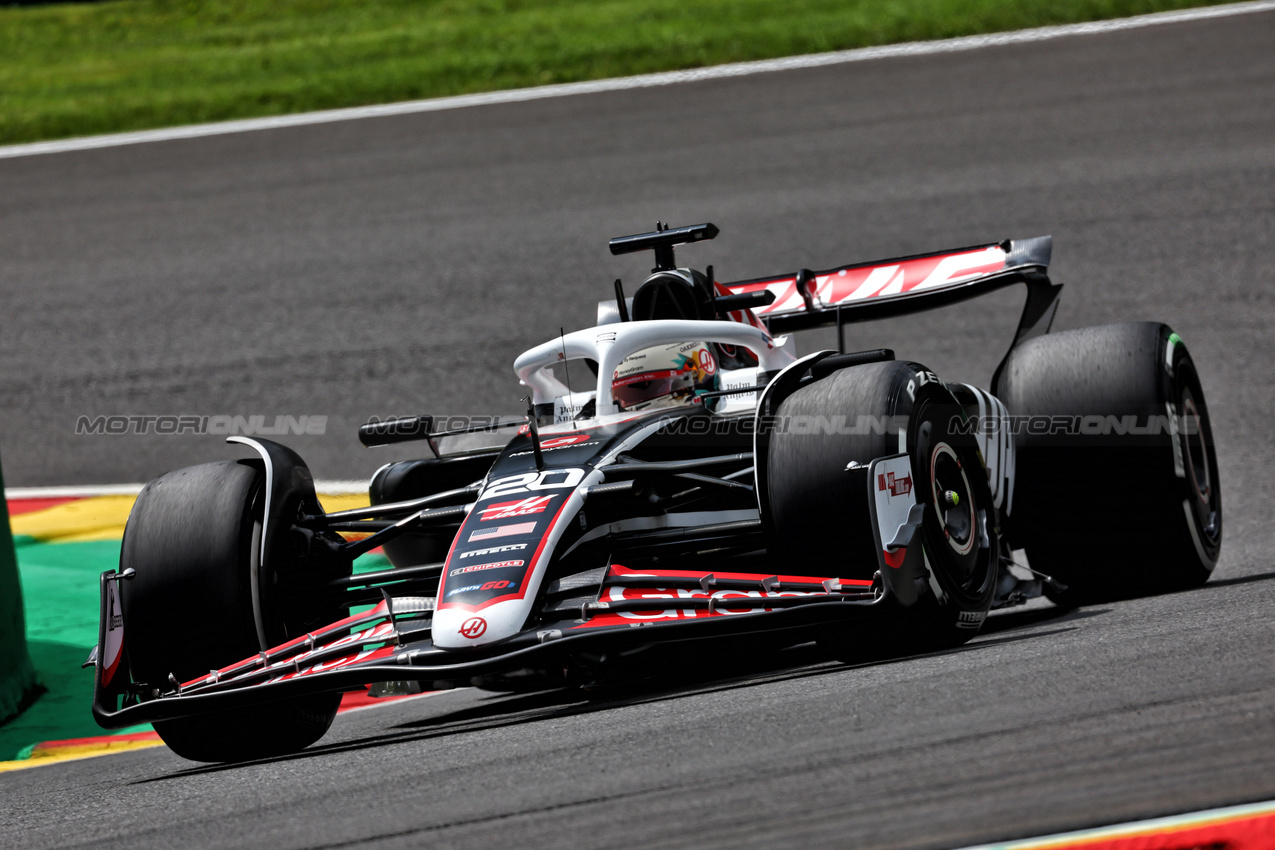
<point>664,375</point>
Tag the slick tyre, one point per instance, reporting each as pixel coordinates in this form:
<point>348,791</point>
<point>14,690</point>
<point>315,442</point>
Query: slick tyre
<point>193,538</point>
<point>1122,498</point>
<point>819,512</point>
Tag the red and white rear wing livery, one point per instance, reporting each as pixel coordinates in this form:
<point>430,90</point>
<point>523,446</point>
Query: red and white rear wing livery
<point>883,286</point>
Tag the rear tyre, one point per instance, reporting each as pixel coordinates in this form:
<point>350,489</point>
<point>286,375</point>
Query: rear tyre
<point>819,511</point>
<point>194,539</point>
<point>1110,510</point>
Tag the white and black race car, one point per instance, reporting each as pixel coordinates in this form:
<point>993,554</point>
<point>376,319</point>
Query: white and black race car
<point>710,486</point>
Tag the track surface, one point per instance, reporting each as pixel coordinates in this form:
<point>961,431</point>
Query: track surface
<point>353,269</point>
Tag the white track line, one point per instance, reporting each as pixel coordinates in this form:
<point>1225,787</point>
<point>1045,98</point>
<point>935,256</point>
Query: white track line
<point>72,492</point>
<point>1136,828</point>
<point>84,491</point>
<point>716,72</point>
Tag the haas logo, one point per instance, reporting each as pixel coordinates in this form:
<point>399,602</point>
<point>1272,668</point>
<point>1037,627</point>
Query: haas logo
<point>896,486</point>
<point>473,628</point>
<point>524,507</point>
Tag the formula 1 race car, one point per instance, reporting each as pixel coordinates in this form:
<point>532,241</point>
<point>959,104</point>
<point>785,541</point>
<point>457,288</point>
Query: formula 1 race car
<point>710,487</point>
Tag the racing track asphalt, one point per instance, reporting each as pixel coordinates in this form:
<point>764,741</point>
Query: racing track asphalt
<point>397,265</point>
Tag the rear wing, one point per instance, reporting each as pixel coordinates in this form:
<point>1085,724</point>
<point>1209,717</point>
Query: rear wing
<point>883,288</point>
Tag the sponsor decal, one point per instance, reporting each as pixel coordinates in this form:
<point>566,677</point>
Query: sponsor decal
<point>523,507</point>
<point>545,447</point>
<point>567,408</point>
<point>896,486</point>
<point>640,377</point>
<point>500,531</point>
<point>704,363</point>
<point>563,442</point>
<point>492,566</point>
<point>664,600</point>
<point>473,628</point>
<point>512,547</point>
<point>550,504</point>
<point>490,585</point>
<point>893,501</point>
<point>671,596</point>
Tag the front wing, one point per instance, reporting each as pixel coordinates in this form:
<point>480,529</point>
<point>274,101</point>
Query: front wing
<point>390,642</point>
<point>606,609</point>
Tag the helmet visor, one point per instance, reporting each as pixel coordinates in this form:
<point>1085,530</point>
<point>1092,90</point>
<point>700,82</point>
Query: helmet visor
<point>645,386</point>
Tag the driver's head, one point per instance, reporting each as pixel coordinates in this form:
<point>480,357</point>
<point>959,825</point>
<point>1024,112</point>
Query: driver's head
<point>664,375</point>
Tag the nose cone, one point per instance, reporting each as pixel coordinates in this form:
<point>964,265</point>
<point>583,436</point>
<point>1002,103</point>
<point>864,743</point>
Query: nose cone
<point>457,628</point>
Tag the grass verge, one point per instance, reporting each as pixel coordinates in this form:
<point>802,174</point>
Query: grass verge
<point>86,68</point>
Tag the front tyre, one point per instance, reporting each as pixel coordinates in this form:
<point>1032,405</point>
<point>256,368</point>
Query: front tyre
<point>194,538</point>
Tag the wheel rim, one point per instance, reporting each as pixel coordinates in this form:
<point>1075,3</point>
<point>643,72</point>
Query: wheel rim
<point>1198,461</point>
<point>952,499</point>
<point>954,530</point>
<point>1196,454</point>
